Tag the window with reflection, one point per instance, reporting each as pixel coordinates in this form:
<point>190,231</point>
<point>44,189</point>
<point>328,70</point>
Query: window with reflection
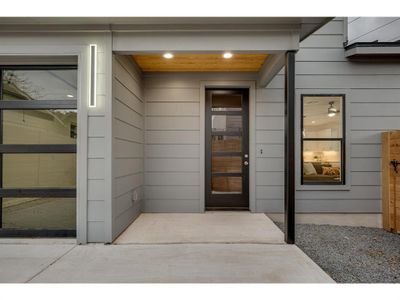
<point>322,139</point>
<point>38,137</point>
<point>46,84</point>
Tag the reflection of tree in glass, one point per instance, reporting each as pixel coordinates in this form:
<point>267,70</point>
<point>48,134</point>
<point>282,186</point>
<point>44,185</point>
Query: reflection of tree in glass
<point>18,85</point>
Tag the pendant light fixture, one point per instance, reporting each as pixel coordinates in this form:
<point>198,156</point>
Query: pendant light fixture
<point>331,110</point>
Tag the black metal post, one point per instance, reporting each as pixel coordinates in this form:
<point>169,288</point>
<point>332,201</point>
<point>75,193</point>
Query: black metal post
<point>290,147</point>
<point>1,154</point>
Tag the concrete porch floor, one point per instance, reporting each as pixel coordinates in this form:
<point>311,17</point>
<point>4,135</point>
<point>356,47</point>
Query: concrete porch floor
<point>218,247</point>
<point>195,228</point>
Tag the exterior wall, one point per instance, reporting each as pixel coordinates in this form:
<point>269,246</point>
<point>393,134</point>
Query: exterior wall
<point>94,162</point>
<point>114,166</point>
<point>173,140</point>
<point>370,29</point>
<point>372,97</point>
<point>172,150</point>
<point>128,143</point>
<point>270,146</point>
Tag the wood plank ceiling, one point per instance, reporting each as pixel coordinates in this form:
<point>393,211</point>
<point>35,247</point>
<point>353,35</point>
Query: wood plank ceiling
<point>200,63</point>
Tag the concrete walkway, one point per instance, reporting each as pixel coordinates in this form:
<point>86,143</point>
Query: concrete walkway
<point>211,227</point>
<point>242,253</point>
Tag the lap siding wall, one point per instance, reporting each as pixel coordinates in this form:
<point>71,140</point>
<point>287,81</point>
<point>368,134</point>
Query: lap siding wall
<point>128,143</point>
<point>172,141</point>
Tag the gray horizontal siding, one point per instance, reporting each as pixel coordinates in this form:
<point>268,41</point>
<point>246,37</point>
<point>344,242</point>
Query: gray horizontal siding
<point>172,148</point>
<point>172,205</point>
<point>173,179</point>
<point>269,146</point>
<point>128,143</point>
<point>172,141</point>
<point>328,81</point>
<point>172,123</point>
<point>172,151</point>
<point>172,165</point>
<point>372,90</point>
<point>370,29</point>
<point>173,137</point>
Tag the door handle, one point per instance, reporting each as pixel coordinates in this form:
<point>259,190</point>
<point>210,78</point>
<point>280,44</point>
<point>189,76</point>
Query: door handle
<point>246,163</point>
<point>395,163</point>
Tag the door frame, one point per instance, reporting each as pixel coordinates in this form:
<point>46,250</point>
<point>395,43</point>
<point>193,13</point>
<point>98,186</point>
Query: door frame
<point>229,84</point>
<point>244,195</point>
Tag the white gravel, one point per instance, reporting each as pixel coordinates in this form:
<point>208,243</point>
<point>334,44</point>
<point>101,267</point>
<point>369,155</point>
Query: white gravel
<point>352,254</point>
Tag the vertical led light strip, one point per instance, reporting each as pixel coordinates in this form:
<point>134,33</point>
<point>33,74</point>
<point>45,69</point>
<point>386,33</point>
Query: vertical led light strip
<point>93,71</point>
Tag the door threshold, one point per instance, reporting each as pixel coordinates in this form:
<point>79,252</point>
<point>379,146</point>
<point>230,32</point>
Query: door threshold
<point>227,208</point>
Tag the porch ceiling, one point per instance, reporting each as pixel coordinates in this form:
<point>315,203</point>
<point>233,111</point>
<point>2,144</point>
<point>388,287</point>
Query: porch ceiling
<point>200,63</point>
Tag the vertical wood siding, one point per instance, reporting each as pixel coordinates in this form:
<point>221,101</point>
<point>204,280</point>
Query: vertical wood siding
<point>128,143</point>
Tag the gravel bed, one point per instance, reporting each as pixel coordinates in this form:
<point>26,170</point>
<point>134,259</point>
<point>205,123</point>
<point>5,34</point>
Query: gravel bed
<point>352,254</point>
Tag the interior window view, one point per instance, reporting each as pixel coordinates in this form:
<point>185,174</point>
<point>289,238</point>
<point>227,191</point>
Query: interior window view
<point>322,140</point>
<point>38,149</point>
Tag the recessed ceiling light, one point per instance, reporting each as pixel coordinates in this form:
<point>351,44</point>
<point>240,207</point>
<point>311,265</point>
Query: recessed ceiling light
<point>228,55</point>
<point>168,55</point>
<point>70,96</point>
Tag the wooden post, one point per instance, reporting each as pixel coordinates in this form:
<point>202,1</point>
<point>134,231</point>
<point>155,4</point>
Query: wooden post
<point>390,181</point>
<point>385,181</point>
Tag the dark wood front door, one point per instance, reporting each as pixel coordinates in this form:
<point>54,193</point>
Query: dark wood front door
<point>227,149</point>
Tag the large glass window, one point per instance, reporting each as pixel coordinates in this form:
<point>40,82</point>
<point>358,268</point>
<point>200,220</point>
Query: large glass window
<point>55,126</point>
<point>38,134</point>
<point>39,84</point>
<point>323,139</point>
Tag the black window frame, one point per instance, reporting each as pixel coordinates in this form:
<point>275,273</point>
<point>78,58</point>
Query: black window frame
<point>342,141</point>
<point>34,148</point>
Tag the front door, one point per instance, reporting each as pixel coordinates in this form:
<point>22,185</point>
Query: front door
<point>227,149</point>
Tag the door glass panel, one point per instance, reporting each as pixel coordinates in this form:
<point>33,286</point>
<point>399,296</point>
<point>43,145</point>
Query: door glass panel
<point>39,213</point>
<point>39,170</point>
<point>226,123</point>
<point>226,102</point>
<point>39,85</point>
<point>222,184</point>
<point>39,127</point>
<point>224,143</point>
<point>226,164</point>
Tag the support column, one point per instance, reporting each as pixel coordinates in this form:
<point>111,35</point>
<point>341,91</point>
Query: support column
<point>290,147</point>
